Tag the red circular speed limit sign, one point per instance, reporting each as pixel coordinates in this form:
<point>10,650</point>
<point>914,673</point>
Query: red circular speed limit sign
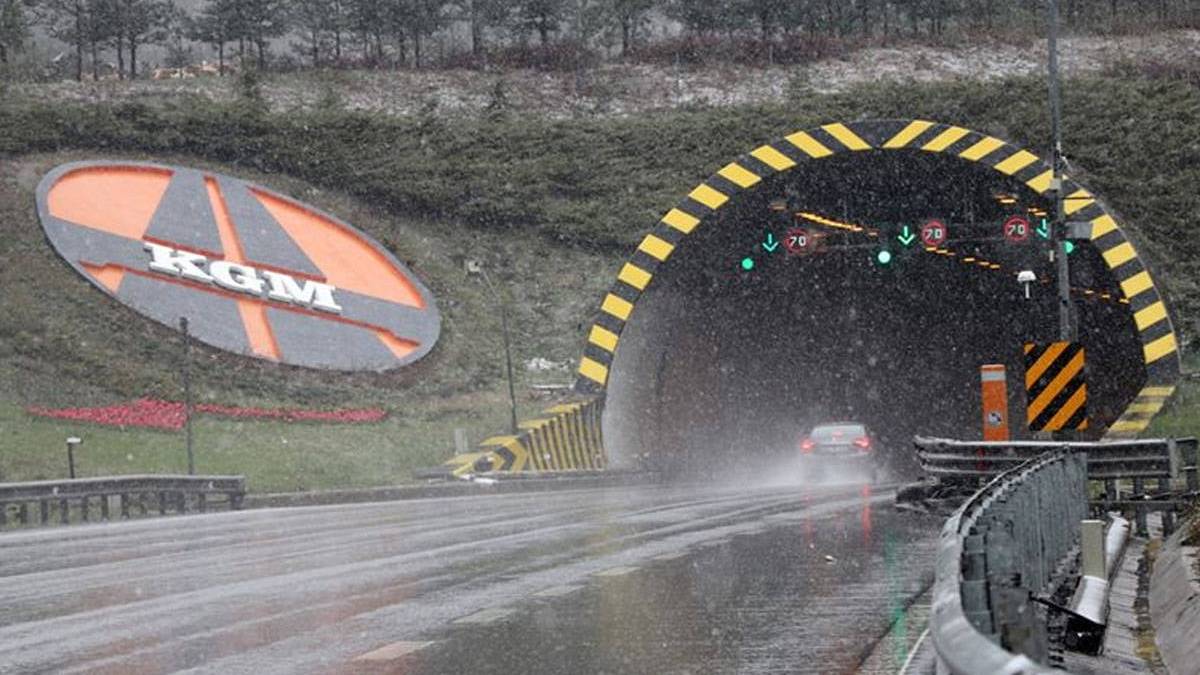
<point>933,233</point>
<point>1016,229</point>
<point>799,241</point>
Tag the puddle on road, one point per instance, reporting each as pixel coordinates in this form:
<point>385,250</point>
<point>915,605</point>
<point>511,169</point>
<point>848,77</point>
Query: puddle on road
<point>802,595</point>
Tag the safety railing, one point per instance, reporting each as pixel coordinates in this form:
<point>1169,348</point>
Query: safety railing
<point>1161,458</point>
<point>107,498</point>
<point>1000,547</point>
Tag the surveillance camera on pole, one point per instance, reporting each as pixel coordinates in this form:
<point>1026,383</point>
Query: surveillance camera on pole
<point>1026,277</point>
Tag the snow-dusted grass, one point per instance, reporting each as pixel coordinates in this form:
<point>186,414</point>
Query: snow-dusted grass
<point>625,89</point>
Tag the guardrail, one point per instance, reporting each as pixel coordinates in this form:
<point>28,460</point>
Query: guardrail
<point>1162,458</point>
<point>1002,545</point>
<point>64,501</point>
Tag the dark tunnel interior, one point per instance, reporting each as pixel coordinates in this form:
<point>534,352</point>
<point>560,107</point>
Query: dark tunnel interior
<point>734,352</point>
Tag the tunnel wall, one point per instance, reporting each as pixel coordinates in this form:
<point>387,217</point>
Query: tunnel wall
<point>1148,313</point>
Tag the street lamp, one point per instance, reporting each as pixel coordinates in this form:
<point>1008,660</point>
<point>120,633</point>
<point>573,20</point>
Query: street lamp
<point>475,268</point>
<point>1066,330</point>
<point>187,394</point>
<point>72,442</point>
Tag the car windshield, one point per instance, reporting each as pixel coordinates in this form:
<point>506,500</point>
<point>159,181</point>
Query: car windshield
<point>838,433</point>
<point>599,336</point>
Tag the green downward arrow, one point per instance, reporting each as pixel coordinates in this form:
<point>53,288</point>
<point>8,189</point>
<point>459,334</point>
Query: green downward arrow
<point>907,237</point>
<point>1043,230</point>
<point>770,244</point>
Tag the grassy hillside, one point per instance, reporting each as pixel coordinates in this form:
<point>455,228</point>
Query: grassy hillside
<point>551,205</point>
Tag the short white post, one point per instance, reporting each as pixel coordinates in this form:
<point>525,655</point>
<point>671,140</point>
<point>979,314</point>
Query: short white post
<point>1091,545</point>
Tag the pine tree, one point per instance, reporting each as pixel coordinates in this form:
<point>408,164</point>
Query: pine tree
<point>14,29</point>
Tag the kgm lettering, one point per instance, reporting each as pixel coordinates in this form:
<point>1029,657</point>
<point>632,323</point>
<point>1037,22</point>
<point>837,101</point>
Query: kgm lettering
<point>241,278</point>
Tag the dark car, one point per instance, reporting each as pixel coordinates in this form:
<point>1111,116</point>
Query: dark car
<point>840,449</point>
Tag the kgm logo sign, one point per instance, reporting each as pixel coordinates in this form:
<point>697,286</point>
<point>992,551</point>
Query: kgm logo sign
<point>253,271</point>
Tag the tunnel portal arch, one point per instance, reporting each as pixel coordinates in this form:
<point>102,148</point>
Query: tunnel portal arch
<point>1148,313</point>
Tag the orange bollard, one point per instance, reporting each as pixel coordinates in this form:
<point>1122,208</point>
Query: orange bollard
<point>995,402</point>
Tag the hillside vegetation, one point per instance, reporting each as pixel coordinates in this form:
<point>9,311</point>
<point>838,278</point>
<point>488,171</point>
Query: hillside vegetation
<point>551,205</point>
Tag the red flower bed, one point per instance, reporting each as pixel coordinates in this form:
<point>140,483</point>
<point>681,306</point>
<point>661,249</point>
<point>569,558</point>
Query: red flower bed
<point>151,413</point>
<point>145,412</point>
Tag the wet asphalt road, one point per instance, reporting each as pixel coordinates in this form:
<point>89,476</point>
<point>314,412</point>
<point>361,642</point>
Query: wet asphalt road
<point>648,579</point>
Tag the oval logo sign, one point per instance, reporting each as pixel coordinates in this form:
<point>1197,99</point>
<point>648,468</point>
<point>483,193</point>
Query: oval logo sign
<point>253,271</point>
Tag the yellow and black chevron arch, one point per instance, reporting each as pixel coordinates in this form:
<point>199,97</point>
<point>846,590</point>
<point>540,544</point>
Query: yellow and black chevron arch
<point>1157,334</point>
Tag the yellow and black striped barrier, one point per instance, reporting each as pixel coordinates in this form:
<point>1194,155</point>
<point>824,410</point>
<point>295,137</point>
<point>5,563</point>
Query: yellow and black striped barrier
<point>1055,386</point>
<point>566,437</point>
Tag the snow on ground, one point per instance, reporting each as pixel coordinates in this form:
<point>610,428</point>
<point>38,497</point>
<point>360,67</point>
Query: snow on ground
<point>622,89</point>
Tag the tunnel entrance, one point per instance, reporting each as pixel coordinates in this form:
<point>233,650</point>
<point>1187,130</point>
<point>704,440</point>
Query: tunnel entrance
<point>738,348</point>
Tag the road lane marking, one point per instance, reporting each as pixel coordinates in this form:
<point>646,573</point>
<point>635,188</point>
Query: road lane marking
<point>675,555</point>
<point>615,571</point>
<point>393,651</point>
<point>485,616</point>
<point>557,591</point>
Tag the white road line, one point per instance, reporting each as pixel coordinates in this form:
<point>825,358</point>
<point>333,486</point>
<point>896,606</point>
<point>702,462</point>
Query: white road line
<point>393,651</point>
<point>913,652</point>
<point>615,571</point>
<point>485,616</point>
<point>557,591</point>
<point>674,555</point>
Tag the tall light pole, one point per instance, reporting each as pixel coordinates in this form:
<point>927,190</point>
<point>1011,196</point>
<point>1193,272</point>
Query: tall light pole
<point>475,267</point>
<point>1066,330</point>
<point>187,393</point>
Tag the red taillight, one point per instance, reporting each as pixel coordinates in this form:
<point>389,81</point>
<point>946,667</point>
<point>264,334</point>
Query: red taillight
<point>807,445</point>
<point>863,443</point>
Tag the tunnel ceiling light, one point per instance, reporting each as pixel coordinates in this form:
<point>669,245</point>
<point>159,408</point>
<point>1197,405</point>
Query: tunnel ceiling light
<point>829,222</point>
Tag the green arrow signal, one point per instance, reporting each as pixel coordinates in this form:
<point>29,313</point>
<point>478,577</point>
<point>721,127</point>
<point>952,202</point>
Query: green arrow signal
<point>1043,230</point>
<point>907,237</point>
<point>770,244</point>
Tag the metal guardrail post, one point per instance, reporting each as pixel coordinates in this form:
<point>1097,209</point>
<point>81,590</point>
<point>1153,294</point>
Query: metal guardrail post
<point>1139,520</point>
<point>975,582</point>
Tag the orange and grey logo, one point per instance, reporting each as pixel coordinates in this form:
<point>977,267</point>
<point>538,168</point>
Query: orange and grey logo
<point>253,271</point>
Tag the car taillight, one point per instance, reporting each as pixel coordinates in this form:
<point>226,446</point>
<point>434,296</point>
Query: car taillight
<point>807,445</point>
<point>863,443</point>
